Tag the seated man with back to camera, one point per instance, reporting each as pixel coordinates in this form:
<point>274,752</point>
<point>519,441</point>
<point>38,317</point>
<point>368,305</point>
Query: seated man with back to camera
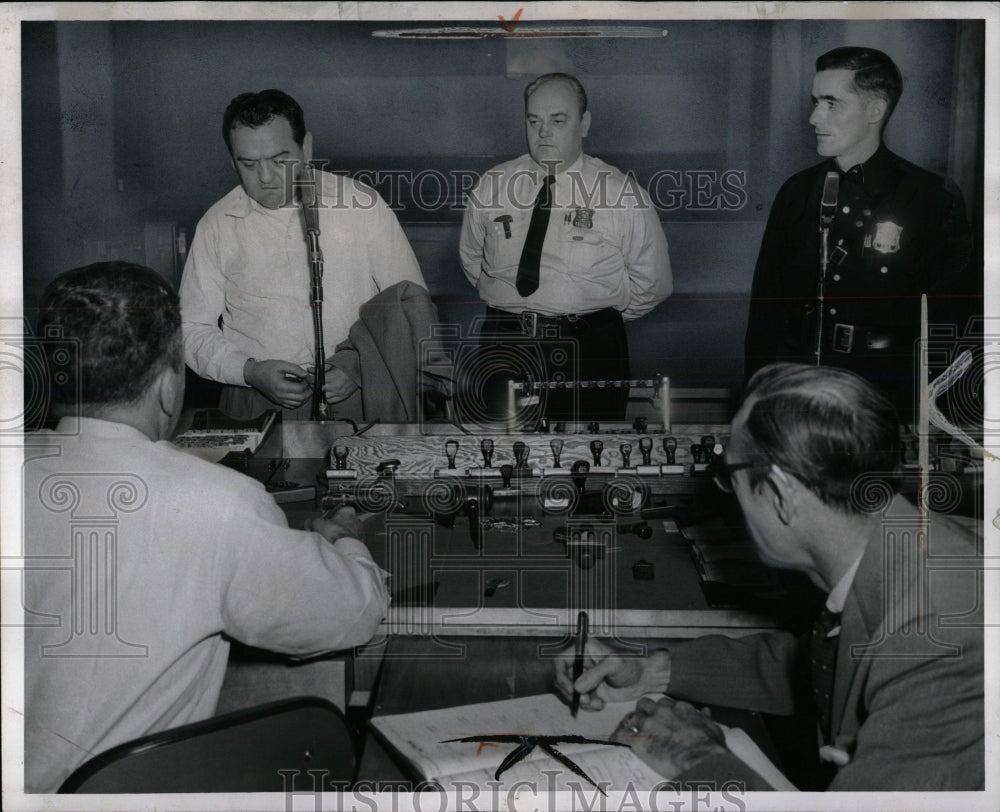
<point>247,283</point>
<point>896,679</point>
<point>183,554</point>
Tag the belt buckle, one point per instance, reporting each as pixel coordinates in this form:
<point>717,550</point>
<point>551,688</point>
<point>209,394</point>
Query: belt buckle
<point>529,323</point>
<point>843,337</point>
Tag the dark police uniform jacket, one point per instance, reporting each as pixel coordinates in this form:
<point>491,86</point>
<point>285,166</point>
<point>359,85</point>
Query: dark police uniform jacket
<point>898,231</point>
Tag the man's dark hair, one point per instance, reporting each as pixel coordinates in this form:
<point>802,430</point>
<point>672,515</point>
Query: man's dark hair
<point>825,426</point>
<point>257,109</point>
<point>874,72</point>
<point>126,323</point>
<point>572,81</point>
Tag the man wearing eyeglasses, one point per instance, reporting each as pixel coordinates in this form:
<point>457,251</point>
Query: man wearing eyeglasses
<point>894,663</point>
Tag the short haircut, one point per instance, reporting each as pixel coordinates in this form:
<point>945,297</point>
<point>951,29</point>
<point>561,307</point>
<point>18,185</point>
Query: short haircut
<point>565,78</point>
<point>126,323</point>
<point>826,427</point>
<point>874,72</point>
<point>257,109</point>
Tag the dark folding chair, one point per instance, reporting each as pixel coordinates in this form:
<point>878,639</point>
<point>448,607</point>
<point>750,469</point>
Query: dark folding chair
<point>301,744</point>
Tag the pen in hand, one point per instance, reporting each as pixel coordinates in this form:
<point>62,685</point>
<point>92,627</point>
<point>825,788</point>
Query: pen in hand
<point>581,644</point>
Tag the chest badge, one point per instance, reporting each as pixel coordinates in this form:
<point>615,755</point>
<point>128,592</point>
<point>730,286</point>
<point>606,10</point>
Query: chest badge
<point>583,218</point>
<point>886,238</point>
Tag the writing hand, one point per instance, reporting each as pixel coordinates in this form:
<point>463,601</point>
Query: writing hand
<point>281,382</point>
<point>611,676</point>
<point>670,736</point>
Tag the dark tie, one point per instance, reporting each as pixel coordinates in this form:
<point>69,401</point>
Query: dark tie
<point>531,254</point>
<point>822,660</point>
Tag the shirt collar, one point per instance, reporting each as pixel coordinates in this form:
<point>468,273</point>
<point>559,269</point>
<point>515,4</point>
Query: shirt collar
<point>540,170</point>
<point>95,427</point>
<point>838,595</point>
<point>872,172</point>
<point>243,205</point>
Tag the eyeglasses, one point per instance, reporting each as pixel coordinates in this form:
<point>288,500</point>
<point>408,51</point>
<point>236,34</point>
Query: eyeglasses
<point>724,473</point>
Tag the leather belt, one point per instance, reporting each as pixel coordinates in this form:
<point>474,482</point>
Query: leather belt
<point>532,324</point>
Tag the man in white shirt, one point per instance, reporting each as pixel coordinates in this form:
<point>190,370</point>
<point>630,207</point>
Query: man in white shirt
<point>143,561</point>
<point>577,258</point>
<point>895,659</point>
<point>246,289</point>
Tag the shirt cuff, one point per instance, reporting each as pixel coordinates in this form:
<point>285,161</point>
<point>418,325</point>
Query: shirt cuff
<point>684,662</point>
<point>232,369</point>
<point>346,545</point>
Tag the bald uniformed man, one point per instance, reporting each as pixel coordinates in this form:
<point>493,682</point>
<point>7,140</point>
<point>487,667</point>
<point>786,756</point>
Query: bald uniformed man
<point>599,253</point>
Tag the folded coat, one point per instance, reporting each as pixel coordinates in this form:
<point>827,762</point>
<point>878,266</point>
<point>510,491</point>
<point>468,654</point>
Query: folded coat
<point>382,351</point>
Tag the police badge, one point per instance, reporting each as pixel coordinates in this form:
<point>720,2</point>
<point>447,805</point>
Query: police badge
<point>584,218</point>
<point>887,238</point>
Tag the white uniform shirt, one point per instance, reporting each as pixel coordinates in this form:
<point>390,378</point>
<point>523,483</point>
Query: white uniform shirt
<point>604,246</point>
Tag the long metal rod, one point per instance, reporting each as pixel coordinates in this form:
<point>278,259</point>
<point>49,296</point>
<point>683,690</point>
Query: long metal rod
<point>316,264</point>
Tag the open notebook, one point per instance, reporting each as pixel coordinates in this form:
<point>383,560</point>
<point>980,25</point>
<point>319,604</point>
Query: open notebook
<point>419,738</point>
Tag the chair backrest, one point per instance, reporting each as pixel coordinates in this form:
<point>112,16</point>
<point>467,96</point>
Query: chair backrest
<point>303,744</point>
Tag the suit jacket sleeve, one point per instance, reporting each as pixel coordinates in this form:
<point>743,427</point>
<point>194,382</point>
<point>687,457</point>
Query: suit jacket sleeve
<point>719,773</point>
<point>752,672</point>
<point>923,721</point>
